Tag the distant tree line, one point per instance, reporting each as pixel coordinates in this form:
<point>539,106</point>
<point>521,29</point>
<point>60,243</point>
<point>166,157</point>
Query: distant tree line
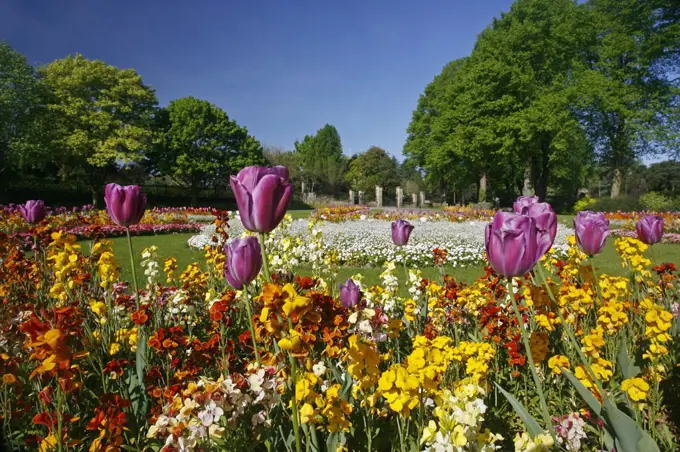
<point>318,162</point>
<point>555,95</point>
<point>81,123</point>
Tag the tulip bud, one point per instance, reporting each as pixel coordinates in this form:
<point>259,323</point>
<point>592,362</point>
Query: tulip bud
<point>523,202</point>
<point>650,229</point>
<point>125,204</point>
<point>546,223</point>
<point>263,196</point>
<point>401,231</point>
<point>243,262</point>
<point>510,242</point>
<point>349,293</point>
<point>592,229</point>
<point>33,211</point>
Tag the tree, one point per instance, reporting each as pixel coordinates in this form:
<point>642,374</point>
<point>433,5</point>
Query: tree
<point>198,145</point>
<point>21,101</point>
<point>630,104</point>
<point>371,168</point>
<point>322,159</point>
<point>664,177</point>
<point>101,117</point>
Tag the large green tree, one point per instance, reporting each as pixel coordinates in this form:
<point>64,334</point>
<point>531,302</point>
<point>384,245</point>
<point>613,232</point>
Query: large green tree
<point>101,118</point>
<point>371,168</point>
<point>501,115</point>
<point>630,100</point>
<point>22,98</point>
<point>323,162</point>
<point>198,145</point>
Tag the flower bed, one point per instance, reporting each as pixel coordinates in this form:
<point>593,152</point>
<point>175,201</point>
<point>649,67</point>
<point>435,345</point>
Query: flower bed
<point>386,371</point>
<point>180,361</point>
<point>367,242</point>
<point>627,220</point>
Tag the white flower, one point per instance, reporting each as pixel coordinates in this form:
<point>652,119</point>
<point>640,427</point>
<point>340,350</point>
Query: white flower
<point>210,414</point>
<point>319,368</point>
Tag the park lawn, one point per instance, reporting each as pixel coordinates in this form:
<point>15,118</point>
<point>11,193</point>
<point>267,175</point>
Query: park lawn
<point>170,245</point>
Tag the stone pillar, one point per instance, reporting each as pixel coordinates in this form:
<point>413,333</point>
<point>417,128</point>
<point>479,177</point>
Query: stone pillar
<point>378,196</point>
<point>351,197</point>
<point>400,197</point>
<point>361,197</point>
<point>414,196</point>
<point>422,199</point>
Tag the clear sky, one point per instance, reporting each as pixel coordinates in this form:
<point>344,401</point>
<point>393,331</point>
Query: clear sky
<point>281,68</point>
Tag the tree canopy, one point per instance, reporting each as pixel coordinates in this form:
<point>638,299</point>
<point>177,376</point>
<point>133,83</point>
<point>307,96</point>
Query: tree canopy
<point>101,117</point>
<point>550,89</point>
<point>198,145</point>
<point>371,168</point>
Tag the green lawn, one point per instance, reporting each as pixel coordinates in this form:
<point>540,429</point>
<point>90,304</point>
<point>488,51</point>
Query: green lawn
<point>176,245</point>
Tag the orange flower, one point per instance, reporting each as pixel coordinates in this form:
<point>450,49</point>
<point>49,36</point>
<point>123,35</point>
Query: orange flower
<point>9,379</point>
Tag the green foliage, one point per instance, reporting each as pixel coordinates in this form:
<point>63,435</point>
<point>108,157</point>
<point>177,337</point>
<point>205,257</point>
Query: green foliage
<point>22,96</point>
<point>622,203</point>
<point>549,86</point>
<point>100,117</point>
<point>664,177</point>
<point>371,168</point>
<point>656,201</point>
<point>323,164</point>
<point>584,203</point>
<point>198,145</point>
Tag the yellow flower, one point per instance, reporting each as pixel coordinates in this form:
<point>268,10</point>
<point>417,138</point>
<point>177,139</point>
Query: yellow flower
<point>290,343</point>
<point>557,361</point>
<point>114,348</point>
<point>637,388</point>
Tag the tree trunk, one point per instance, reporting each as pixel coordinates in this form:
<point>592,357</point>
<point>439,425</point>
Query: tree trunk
<point>94,196</point>
<point>616,183</point>
<point>482,188</point>
<point>526,187</point>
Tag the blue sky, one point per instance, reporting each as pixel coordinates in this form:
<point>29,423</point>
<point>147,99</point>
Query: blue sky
<point>281,68</point>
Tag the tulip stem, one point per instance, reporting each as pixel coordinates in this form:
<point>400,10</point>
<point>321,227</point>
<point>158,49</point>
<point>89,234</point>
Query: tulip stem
<point>527,348</point>
<point>595,279</point>
<point>134,268</point>
<point>265,259</point>
<point>250,323</point>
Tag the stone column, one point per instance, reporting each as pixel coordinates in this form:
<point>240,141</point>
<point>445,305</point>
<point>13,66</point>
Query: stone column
<point>400,196</point>
<point>378,196</point>
<point>351,197</point>
<point>414,196</point>
<point>361,197</point>
<point>422,199</point>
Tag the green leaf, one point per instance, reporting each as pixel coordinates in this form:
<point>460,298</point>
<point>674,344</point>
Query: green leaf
<point>530,423</point>
<point>628,436</point>
<point>628,367</point>
<point>585,394</point>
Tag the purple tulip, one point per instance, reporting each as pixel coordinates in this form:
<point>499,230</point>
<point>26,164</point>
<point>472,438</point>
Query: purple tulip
<point>546,223</point>
<point>511,243</point>
<point>125,204</point>
<point>33,211</point>
<point>650,229</point>
<point>349,293</point>
<point>592,229</point>
<point>401,231</point>
<point>524,201</point>
<point>244,261</point>
<point>263,196</point>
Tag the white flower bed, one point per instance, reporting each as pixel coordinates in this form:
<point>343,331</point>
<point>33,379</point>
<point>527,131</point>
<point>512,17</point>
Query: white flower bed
<point>368,242</point>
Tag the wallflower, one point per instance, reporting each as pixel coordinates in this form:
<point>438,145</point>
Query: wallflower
<point>636,388</point>
<point>400,389</point>
<point>541,442</point>
<point>557,361</point>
